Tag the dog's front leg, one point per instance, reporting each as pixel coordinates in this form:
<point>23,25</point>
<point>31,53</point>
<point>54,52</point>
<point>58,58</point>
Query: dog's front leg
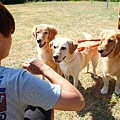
<point>75,79</point>
<point>86,69</point>
<point>104,90</point>
<point>59,71</point>
<point>117,86</point>
<point>95,75</point>
<point>66,77</point>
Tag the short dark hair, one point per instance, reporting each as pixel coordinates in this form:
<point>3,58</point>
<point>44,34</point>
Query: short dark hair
<point>7,23</point>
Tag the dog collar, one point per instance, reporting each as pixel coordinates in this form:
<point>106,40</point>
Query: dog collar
<point>75,55</point>
<point>62,59</point>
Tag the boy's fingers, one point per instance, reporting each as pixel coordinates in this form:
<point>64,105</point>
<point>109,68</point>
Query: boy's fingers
<point>25,65</point>
<point>29,60</point>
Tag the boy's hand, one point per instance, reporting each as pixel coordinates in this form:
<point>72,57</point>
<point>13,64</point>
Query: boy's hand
<point>35,66</point>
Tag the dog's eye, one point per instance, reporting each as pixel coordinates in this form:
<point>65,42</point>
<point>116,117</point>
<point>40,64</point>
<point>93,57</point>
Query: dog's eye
<point>63,48</point>
<point>110,40</point>
<point>37,32</point>
<point>54,47</point>
<point>45,32</point>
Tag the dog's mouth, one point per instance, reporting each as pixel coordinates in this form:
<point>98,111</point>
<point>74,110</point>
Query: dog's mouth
<point>105,55</point>
<point>41,45</point>
<point>56,59</point>
<point>39,41</point>
<point>62,59</point>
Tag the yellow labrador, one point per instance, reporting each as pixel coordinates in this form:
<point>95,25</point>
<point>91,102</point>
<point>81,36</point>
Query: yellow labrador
<point>110,53</point>
<point>71,61</point>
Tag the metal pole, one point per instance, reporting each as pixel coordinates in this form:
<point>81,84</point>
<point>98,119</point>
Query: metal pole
<point>90,1</point>
<point>107,4</point>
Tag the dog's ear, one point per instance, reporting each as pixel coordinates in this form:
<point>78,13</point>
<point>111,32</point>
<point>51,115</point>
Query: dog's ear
<point>34,30</point>
<point>118,35</point>
<point>51,44</point>
<point>117,48</point>
<point>52,32</point>
<point>72,46</point>
<point>103,32</point>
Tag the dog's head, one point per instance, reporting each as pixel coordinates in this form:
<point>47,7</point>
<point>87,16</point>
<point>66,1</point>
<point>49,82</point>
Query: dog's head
<point>110,42</point>
<point>43,34</point>
<point>62,47</point>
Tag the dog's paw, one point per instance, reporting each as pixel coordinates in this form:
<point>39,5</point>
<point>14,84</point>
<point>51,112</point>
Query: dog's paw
<point>84,72</point>
<point>104,90</point>
<point>96,77</point>
<point>117,90</point>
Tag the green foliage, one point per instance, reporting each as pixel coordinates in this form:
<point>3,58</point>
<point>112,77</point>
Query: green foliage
<point>16,1</point>
<point>12,1</point>
<point>23,1</point>
<point>114,0</point>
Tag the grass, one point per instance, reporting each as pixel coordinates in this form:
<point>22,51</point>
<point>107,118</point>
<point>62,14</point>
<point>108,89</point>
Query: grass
<point>70,19</point>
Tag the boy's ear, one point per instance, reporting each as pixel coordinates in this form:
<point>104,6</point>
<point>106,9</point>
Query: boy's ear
<point>1,39</point>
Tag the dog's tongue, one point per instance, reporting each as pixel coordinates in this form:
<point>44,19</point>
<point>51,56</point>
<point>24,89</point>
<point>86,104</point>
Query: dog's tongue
<point>56,61</point>
<point>102,55</point>
<point>40,45</point>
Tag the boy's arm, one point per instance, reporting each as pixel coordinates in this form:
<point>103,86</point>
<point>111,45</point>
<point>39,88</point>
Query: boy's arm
<point>70,98</point>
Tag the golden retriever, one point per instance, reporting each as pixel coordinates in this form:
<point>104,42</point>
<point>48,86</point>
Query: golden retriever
<point>110,53</point>
<point>71,61</point>
<point>43,34</point>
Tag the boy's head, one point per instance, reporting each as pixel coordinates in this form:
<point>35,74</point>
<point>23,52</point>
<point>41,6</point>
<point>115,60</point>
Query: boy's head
<point>7,23</point>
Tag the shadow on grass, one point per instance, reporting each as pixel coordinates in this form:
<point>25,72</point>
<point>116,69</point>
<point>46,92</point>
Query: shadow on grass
<point>98,105</point>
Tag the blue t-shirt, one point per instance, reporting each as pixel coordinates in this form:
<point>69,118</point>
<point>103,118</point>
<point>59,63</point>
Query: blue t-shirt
<point>19,88</point>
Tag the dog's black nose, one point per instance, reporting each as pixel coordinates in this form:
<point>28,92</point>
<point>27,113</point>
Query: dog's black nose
<point>39,40</point>
<point>100,51</point>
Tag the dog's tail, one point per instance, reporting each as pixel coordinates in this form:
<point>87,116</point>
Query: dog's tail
<point>87,36</point>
